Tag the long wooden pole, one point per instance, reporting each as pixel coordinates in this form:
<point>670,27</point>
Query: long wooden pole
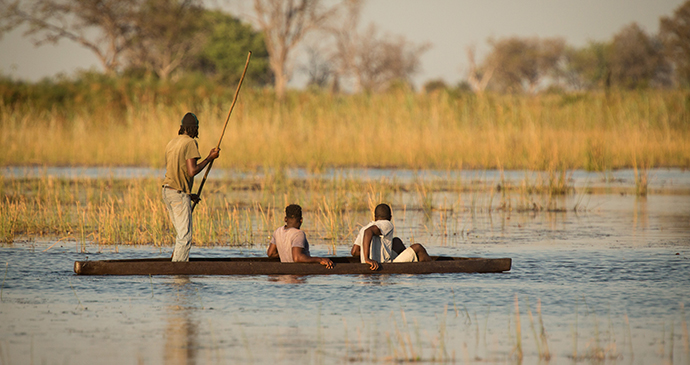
<point>234,100</point>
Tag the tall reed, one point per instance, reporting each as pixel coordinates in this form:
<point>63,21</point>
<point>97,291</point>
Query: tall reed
<point>317,130</point>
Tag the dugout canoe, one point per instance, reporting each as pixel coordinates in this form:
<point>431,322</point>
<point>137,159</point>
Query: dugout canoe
<point>270,266</point>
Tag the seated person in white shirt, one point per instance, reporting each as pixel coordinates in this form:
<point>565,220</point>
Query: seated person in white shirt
<point>376,242</point>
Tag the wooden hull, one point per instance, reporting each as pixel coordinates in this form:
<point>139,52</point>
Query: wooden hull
<point>268,266</point>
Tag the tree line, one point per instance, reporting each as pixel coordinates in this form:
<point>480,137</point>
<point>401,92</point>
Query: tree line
<point>169,38</point>
<point>158,37</point>
<point>633,59</point>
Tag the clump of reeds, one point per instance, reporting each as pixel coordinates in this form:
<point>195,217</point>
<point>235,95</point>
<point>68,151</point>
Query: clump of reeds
<point>641,180</point>
<point>686,336</point>
<point>495,131</point>
<point>518,331</point>
<point>540,338</point>
<point>426,198</point>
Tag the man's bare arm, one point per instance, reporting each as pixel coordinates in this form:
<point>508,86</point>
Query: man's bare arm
<point>366,246</point>
<point>272,251</point>
<point>193,168</point>
<point>298,255</point>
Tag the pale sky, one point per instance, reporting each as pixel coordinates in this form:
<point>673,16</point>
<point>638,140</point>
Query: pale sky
<point>448,25</point>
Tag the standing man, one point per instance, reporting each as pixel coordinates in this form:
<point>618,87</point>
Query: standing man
<point>181,164</point>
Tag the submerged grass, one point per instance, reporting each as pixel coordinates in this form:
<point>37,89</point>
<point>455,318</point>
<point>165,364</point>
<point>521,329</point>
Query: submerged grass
<point>245,211</point>
<point>111,212</point>
<point>405,343</point>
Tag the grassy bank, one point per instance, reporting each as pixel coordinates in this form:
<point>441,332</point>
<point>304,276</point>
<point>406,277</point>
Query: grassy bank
<point>400,129</point>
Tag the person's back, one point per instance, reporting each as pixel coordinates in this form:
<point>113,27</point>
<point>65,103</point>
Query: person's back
<point>177,152</point>
<point>285,238</point>
<point>290,244</point>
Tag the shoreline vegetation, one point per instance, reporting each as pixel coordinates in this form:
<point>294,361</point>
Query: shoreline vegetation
<point>122,124</point>
<point>244,211</point>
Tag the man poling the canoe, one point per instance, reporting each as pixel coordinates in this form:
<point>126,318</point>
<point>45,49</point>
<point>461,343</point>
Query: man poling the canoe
<point>232,106</point>
<point>182,164</point>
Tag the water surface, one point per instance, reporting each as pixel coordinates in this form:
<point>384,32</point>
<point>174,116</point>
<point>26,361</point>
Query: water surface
<point>621,302</point>
<point>608,275</point>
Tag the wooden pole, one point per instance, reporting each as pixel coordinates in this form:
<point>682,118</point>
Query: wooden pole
<point>234,100</point>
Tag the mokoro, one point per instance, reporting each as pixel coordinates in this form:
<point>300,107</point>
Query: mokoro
<point>269,266</point>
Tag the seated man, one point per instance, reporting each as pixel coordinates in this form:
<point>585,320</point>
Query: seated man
<point>376,242</point>
<point>290,243</point>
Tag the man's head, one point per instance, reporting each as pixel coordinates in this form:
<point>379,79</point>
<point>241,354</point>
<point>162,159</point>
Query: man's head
<point>189,125</point>
<point>293,215</point>
<point>383,211</point>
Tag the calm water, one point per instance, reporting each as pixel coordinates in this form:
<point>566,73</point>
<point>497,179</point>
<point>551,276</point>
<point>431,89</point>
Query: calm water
<point>612,282</point>
<point>658,178</point>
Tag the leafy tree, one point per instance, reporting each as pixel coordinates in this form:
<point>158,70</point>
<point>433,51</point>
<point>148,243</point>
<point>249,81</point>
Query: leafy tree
<point>105,27</point>
<point>225,48</point>
<point>158,36</point>
<point>675,34</point>
<point>588,67</point>
<point>432,86</point>
<point>522,63</point>
<point>636,59</point>
<point>168,33</point>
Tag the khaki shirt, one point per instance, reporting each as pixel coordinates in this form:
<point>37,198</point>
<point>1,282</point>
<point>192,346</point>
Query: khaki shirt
<point>178,151</point>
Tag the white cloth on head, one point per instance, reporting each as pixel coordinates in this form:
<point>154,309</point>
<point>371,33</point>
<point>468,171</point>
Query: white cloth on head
<point>381,249</point>
<point>285,238</point>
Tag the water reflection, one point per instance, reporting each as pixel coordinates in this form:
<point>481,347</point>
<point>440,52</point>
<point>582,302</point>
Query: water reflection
<point>640,214</point>
<point>287,279</point>
<point>377,280</point>
<point>181,330</point>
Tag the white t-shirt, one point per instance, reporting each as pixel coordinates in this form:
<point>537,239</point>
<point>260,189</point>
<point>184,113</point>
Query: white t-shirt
<point>381,249</point>
<point>286,238</point>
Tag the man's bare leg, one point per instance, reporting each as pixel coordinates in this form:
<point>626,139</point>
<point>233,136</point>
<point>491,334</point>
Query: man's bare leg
<point>398,245</point>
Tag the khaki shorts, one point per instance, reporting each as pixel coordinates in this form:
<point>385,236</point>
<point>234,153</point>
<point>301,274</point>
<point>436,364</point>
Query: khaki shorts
<point>407,256</point>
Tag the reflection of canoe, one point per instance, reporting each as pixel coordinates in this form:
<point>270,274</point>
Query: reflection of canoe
<point>268,266</point>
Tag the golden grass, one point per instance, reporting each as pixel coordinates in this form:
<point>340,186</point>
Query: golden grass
<point>130,211</point>
<point>548,134</point>
<point>245,211</point>
<point>542,133</point>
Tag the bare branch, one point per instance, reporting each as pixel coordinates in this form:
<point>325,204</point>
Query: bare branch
<point>478,78</point>
<point>285,23</point>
